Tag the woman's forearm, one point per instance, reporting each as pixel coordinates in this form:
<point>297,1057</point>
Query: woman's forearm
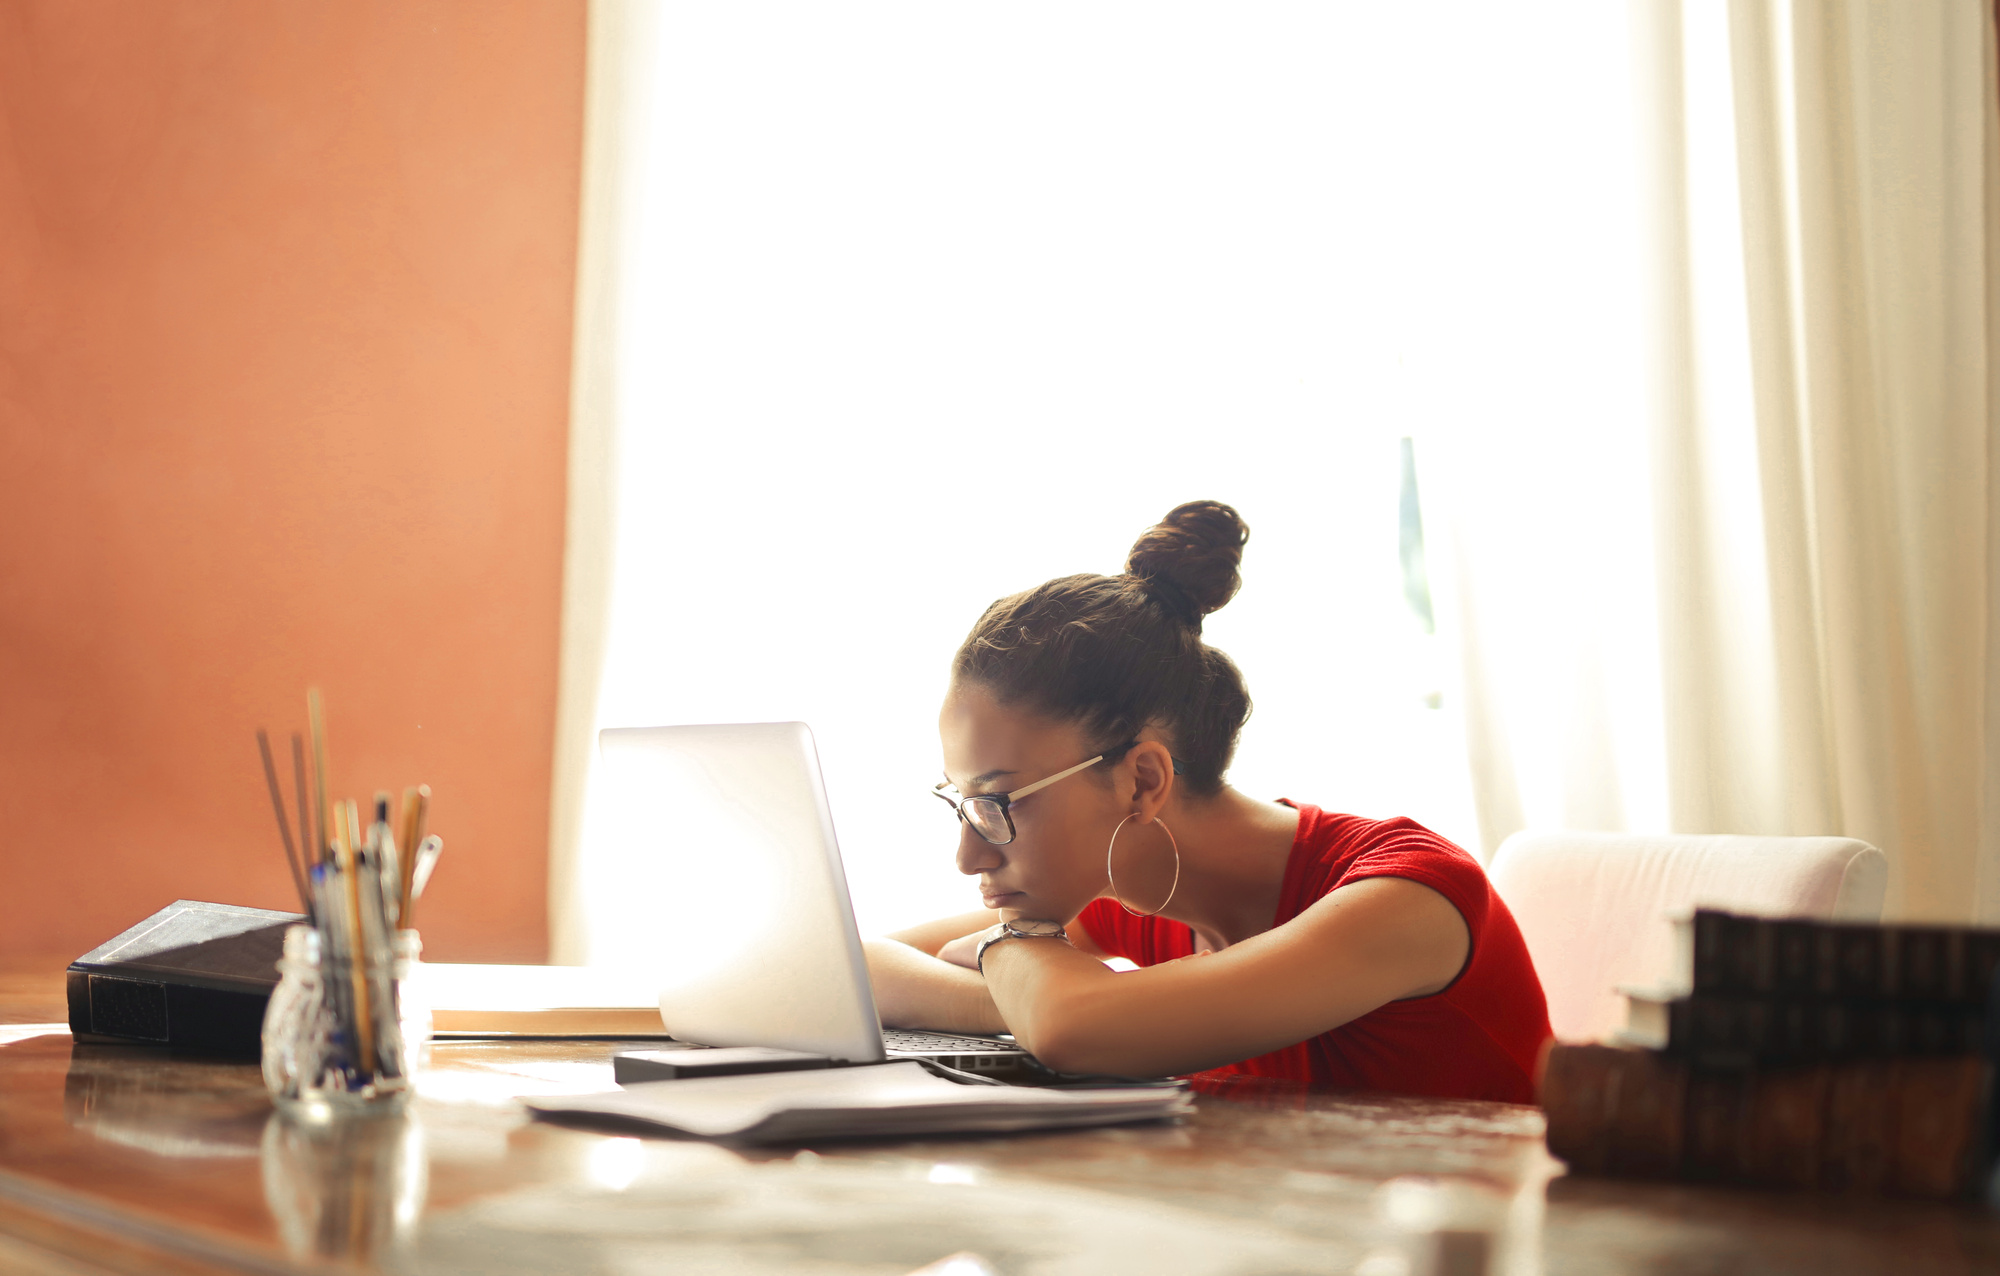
<point>1047,990</point>
<point>1357,949</point>
<point>916,990</point>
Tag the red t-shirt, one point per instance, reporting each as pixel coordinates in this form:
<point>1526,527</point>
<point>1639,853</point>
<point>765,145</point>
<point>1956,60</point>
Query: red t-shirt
<point>1478,1039</point>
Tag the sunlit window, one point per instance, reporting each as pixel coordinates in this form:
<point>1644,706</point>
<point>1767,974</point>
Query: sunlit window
<point>932,302</point>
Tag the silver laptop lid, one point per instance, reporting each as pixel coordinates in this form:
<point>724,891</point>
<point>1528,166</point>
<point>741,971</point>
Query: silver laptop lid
<point>756,941</point>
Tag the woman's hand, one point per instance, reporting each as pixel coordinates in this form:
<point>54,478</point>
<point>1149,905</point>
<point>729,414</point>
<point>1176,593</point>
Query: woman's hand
<point>916,990</point>
<point>963,951</point>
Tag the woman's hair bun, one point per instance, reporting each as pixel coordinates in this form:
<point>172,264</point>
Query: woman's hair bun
<point>1189,558</point>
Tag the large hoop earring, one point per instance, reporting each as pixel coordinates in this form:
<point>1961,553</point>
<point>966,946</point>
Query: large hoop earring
<point>1114,881</point>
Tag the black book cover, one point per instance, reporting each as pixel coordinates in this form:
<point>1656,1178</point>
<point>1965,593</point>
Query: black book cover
<point>193,976</point>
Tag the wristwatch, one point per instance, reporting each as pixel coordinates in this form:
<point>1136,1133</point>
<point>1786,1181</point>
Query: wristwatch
<point>1020,928</point>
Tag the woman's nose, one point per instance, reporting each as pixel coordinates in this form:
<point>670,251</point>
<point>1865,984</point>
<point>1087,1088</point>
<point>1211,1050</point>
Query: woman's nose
<point>976,855</point>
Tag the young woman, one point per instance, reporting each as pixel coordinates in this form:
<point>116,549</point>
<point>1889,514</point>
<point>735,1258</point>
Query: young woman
<point>1086,736</point>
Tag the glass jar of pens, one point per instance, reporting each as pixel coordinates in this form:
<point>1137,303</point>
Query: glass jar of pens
<point>340,1035</point>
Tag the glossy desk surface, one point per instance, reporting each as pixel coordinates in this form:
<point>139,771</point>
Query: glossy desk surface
<point>132,1160</point>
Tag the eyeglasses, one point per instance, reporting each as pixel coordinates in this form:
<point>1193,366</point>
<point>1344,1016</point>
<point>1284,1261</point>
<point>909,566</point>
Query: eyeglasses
<point>987,813</point>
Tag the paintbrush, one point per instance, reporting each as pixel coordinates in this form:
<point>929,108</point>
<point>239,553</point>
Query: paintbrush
<point>308,852</point>
<point>284,826</point>
<point>322,805</point>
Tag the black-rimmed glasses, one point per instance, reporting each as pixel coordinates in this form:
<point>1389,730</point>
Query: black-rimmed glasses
<point>987,813</point>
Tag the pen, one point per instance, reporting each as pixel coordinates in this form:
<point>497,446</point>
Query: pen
<point>387,858</point>
<point>425,860</point>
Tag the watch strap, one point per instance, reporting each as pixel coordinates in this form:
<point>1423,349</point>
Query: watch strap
<point>1014,930</point>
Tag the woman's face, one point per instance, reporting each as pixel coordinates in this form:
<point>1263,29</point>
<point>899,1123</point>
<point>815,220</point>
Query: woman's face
<point>1055,864</point>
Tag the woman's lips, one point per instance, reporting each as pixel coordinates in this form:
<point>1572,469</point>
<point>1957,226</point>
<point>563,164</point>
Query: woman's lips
<point>998,899</point>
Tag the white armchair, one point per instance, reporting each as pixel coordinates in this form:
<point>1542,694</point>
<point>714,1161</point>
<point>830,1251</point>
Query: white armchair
<point>1594,907</point>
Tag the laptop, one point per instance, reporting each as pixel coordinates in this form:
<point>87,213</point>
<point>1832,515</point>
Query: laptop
<point>757,944</point>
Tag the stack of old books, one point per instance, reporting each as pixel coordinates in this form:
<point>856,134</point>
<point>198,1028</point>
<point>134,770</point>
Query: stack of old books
<point>1795,1053</point>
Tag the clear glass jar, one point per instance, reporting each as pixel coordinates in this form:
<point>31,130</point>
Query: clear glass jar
<point>413,1008</point>
<point>318,1062</point>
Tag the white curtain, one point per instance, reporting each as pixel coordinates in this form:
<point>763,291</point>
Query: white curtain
<point>1757,592</point>
<point>616,101</point>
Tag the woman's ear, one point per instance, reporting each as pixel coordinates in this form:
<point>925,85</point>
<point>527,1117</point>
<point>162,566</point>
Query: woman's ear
<point>1152,778</point>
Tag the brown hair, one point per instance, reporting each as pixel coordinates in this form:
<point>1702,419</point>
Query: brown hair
<point>1116,653</point>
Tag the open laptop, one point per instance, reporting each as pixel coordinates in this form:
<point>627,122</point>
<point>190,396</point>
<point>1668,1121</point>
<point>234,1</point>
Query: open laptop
<point>757,944</point>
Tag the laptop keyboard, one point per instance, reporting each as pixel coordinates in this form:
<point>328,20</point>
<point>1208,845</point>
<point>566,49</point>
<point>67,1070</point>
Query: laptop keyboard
<point>944,1043</point>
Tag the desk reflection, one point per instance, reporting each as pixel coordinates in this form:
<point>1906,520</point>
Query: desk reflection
<point>146,1098</point>
<point>351,1189</point>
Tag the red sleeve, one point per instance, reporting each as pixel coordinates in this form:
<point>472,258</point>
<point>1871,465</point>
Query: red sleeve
<point>1350,849</point>
<point>1145,940</point>
<point>1423,857</point>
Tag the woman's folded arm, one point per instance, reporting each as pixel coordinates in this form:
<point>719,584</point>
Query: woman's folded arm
<point>1360,947</point>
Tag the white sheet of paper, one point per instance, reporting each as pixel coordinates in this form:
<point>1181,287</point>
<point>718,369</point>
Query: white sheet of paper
<point>890,1098</point>
<point>469,986</point>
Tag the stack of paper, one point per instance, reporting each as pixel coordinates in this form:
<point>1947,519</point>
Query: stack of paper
<point>877,1101</point>
<point>568,1001</point>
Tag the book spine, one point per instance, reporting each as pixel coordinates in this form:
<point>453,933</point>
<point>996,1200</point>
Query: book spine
<point>1855,1155</point>
<point>1732,1030</point>
<point>1981,978</point>
<point>1954,965</point>
<point>1913,1127</point>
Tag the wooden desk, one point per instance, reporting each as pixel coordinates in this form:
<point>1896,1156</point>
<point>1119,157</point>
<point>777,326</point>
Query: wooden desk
<point>124,1159</point>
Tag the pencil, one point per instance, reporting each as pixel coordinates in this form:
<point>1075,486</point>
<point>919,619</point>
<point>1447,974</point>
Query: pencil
<point>419,822</point>
<point>344,851</point>
<point>423,812</point>
<point>351,813</point>
<point>284,826</point>
<point>406,843</point>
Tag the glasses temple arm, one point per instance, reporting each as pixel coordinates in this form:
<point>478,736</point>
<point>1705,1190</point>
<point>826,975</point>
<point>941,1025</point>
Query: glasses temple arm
<point>1060,775</point>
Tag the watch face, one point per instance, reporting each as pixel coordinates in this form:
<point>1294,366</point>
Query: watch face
<point>1036,927</point>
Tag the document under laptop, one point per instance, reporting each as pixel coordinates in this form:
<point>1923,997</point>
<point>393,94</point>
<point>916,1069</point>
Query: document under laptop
<point>898,1100</point>
<point>757,942</point>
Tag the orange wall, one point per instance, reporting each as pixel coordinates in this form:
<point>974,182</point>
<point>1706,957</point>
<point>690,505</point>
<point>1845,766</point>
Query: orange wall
<point>285,297</point>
